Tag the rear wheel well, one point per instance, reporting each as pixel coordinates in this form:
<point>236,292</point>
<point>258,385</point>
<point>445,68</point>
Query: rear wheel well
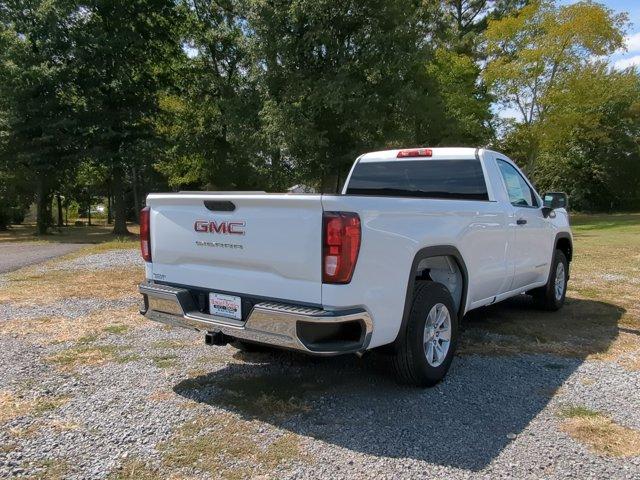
<point>564,244</point>
<point>439,263</point>
<point>443,269</point>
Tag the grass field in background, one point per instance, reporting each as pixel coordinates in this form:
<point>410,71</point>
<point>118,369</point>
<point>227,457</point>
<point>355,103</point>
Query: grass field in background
<point>96,234</point>
<point>607,260</point>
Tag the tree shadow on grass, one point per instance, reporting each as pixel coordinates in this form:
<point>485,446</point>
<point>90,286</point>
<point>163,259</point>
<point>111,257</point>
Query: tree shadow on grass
<point>582,327</point>
<point>95,234</point>
<point>463,422</point>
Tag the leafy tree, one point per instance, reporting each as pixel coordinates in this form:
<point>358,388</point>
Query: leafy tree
<point>36,96</point>
<point>15,197</point>
<point>532,51</point>
<point>121,53</point>
<point>210,117</point>
<point>590,145</point>
<point>281,92</point>
<point>464,107</point>
<point>462,21</point>
<point>338,78</point>
<point>462,104</point>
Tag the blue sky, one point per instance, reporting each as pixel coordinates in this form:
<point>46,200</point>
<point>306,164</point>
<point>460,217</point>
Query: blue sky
<point>632,7</point>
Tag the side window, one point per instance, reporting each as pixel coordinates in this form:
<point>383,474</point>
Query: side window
<point>520,194</point>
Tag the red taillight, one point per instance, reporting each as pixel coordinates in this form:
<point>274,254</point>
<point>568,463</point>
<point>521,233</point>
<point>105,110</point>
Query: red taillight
<point>145,237</point>
<point>415,152</point>
<point>340,246</point>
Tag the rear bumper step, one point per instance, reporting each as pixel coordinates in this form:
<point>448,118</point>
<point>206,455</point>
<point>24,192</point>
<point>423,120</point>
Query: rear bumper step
<point>311,330</point>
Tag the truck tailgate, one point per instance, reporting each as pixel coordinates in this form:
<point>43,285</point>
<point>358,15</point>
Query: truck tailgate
<point>268,245</point>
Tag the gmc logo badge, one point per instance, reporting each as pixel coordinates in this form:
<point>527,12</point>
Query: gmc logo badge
<point>223,228</point>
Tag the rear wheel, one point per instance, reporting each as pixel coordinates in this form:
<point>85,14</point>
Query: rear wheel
<point>551,296</point>
<point>426,351</point>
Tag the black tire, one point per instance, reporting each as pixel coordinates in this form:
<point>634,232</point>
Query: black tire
<point>545,297</point>
<point>410,360</point>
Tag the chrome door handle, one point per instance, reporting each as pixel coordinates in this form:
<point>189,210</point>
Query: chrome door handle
<point>521,221</point>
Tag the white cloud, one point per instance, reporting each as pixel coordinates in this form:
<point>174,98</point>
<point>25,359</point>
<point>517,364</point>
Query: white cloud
<point>189,50</point>
<point>627,62</point>
<point>633,42</point>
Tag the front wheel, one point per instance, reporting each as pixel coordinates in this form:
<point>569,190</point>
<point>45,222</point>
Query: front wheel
<point>551,296</point>
<point>426,351</point>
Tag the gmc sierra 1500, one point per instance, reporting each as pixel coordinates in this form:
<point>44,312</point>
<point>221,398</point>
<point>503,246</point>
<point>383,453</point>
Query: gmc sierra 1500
<point>417,238</point>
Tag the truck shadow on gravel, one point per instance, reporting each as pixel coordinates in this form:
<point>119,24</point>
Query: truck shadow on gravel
<point>464,422</point>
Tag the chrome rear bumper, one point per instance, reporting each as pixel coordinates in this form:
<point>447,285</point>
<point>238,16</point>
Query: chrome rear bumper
<point>270,323</point>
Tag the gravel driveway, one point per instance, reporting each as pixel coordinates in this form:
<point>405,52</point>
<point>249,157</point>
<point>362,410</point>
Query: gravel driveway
<point>164,403</point>
<point>17,255</point>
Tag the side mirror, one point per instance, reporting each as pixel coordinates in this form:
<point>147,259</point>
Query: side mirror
<point>553,200</point>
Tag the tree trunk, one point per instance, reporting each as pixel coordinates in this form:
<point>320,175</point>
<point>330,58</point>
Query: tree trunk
<point>277,181</point>
<point>4,220</point>
<point>59,205</point>
<point>89,213</point>
<point>120,209</point>
<point>136,202</point>
<point>329,183</point>
<point>43,207</point>
<point>109,206</point>
<point>532,157</point>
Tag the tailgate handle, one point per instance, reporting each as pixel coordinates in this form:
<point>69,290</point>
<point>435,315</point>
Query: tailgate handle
<point>219,205</point>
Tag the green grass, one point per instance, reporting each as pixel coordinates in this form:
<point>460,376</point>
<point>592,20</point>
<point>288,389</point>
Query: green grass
<point>603,221</point>
<point>126,358</point>
<point>578,411</point>
<point>117,329</point>
<point>165,361</point>
<point>44,405</point>
<point>87,339</point>
<point>273,395</point>
<point>90,354</point>
<point>51,469</point>
<point>170,344</point>
<point>14,406</point>
<point>8,447</point>
<point>96,234</point>
<point>599,433</point>
<point>207,444</point>
<point>136,470</point>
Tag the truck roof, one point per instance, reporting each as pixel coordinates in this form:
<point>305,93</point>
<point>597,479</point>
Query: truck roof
<point>441,153</point>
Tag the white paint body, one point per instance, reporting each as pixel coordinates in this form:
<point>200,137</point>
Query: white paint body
<point>279,254</point>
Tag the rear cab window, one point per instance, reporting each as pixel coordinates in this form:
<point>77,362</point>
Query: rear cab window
<point>460,179</point>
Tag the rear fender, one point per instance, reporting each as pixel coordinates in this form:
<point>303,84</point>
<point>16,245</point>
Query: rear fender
<point>424,254</point>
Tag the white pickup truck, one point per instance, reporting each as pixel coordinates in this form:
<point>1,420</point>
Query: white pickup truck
<point>417,238</point>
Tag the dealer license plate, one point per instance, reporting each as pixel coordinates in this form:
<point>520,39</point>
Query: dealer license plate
<point>228,306</point>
